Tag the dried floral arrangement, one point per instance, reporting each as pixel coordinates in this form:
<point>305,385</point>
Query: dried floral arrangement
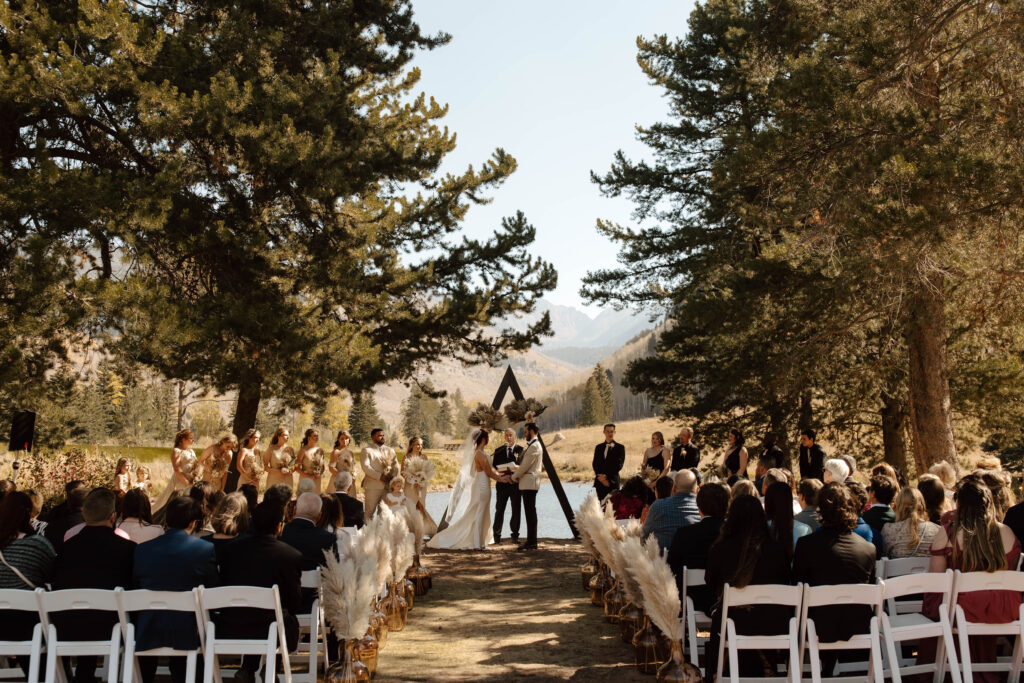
<point>524,410</point>
<point>403,546</point>
<point>650,475</point>
<point>350,584</point>
<point>417,471</point>
<point>658,586</point>
<point>486,417</point>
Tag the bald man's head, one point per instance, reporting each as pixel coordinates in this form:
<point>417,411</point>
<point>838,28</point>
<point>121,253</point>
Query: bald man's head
<point>685,482</point>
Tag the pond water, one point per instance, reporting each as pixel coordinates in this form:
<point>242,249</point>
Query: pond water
<point>550,518</point>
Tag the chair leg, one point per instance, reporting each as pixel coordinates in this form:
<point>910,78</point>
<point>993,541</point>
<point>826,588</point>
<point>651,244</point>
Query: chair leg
<point>115,649</point>
<point>691,627</point>
<point>892,654</point>
<point>950,648</point>
<point>795,675</point>
<point>1015,661</point>
<point>190,667</point>
<point>271,656</point>
<point>734,657</point>
<point>210,656</point>
<point>876,652</point>
<point>129,667</point>
<point>37,653</point>
<point>812,646</point>
<point>965,651</point>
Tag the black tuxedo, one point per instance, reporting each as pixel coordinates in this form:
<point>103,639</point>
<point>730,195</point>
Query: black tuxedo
<point>685,457</point>
<point>351,509</point>
<point>505,493</point>
<point>261,561</point>
<point>812,462</point>
<point>95,557</point>
<point>608,460</point>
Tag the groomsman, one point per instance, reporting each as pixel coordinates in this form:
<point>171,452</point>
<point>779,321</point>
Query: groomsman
<point>509,452</point>
<point>528,479</point>
<point>379,465</point>
<point>685,456</point>
<point>609,456</point>
<point>812,457</point>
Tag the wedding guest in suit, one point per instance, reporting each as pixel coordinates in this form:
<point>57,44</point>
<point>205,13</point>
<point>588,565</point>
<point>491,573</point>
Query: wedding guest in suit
<point>691,543</point>
<point>302,534</point>
<point>807,495</point>
<point>528,479</point>
<point>668,515</point>
<point>609,456</point>
<point>509,453</point>
<point>351,508</point>
<point>95,557</point>
<point>835,555</point>
<point>746,554</point>
<point>261,560</point>
<point>851,464</point>
<point>812,457</point>
<point>379,466</point>
<point>685,456</point>
<point>772,455</point>
<point>137,517</point>
<point>70,514</point>
<point>175,561</point>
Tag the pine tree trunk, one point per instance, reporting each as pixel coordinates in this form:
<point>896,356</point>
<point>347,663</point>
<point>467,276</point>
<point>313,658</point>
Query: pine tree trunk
<point>805,418</point>
<point>247,405</point>
<point>894,443</point>
<point>931,411</point>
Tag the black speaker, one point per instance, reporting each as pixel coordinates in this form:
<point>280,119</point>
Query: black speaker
<point>23,429</point>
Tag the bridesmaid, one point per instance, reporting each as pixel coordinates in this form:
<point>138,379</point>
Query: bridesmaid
<point>415,495</point>
<point>737,458</point>
<point>342,459</point>
<point>250,462</point>
<point>658,456</point>
<point>183,462</point>
<point>310,459</point>
<point>279,459</point>
<point>216,460</point>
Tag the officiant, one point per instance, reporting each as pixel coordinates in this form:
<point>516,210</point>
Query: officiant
<point>507,457</point>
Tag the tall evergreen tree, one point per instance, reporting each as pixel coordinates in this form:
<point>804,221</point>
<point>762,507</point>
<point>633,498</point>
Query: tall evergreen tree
<point>363,418</point>
<point>592,409</point>
<point>605,389</point>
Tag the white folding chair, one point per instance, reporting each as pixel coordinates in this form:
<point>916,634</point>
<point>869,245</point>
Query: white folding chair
<point>842,594</point>
<point>969,582</point>
<point>694,618</point>
<point>226,597</point>
<point>129,602</point>
<point>880,568</point>
<point>898,627</point>
<point>903,567</point>
<point>790,596</point>
<point>74,600</point>
<point>16,600</point>
<point>315,626</point>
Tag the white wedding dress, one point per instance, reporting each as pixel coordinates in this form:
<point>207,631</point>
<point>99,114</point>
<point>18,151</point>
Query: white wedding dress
<point>469,509</point>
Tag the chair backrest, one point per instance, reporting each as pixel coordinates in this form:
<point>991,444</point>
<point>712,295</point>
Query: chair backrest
<point>968,582</point>
<point>311,578</point>
<point>915,584</point>
<point>880,568</point>
<point>905,565</point>
<point>174,601</point>
<point>238,596</point>
<point>765,594</point>
<point>18,600</point>
<point>843,594</point>
<point>693,577</point>
<point>74,599</point>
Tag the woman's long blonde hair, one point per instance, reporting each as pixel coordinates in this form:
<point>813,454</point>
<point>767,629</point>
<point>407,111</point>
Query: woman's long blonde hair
<point>909,504</point>
<point>982,549</point>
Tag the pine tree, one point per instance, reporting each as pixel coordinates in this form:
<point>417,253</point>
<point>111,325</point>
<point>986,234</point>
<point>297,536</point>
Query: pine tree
<point>591,412</point>
<point>444,417</point>
<point>364,418</point>
<point>605,389</point>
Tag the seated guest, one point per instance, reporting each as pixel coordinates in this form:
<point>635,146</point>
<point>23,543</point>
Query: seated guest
<point>137,517</point>
<point>691,543</point>
<point>261,559</point>
<point>911,535</point>
<point>302,533</point>
<point>663,487</point>
<point>836,470</point>
<point>330,513</point>
<point>174,561</point>
<point>96,557</point>
<point>879,513</point>
<point>230,520</point>
<point>67,514</point>
<point>667,515</point>
<point>745,554</point>
<point>781,476</point>
<point>782,526</point>
<point>835,555</point>
<point>807,496</point>
<point>946,475</point>
<point>998,482</point>
<point>851,464</point>
<point>629,501</point>
<point>743,487</point>
<point>860,497</point>
<point>38,525</point>
<point>975,542</point>
<point>28,560</point>
<point>351,507</point>
<point>934,494</point>
<point>205,493</point>
<point>884,469</point>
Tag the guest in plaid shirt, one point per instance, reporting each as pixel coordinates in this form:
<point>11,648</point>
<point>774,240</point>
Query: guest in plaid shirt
<point>668,515</point>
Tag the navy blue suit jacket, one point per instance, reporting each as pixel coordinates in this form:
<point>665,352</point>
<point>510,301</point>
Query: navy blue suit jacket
<point>172,562</point>
<point>305,537</point>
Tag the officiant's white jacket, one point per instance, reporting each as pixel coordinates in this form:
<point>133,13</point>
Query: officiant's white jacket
<point>528,474</point>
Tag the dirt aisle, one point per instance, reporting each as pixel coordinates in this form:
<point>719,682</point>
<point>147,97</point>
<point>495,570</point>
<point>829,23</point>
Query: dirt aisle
<point>501,615</point>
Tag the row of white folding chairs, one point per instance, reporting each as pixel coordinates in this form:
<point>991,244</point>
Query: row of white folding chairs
<point>200,602</point>
<point>801,639</point>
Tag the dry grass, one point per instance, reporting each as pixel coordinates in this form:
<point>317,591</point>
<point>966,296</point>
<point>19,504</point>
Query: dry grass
<point>573,456</point>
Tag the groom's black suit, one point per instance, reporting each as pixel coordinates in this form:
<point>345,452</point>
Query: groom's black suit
<point>504,493</point>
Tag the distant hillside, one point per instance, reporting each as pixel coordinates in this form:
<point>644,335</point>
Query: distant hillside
<point>574,328</point>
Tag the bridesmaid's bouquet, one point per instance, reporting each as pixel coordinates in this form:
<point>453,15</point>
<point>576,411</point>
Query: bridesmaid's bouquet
<point>418,471</point>
<point>650,475</point>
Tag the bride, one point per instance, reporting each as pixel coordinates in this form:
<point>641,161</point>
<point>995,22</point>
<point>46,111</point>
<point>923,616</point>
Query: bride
<point>469,508</point>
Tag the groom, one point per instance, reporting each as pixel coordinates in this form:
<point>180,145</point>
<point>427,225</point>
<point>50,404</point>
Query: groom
<point>528,478</point>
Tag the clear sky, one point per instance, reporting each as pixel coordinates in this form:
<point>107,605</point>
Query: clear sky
<point>556,84</point>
